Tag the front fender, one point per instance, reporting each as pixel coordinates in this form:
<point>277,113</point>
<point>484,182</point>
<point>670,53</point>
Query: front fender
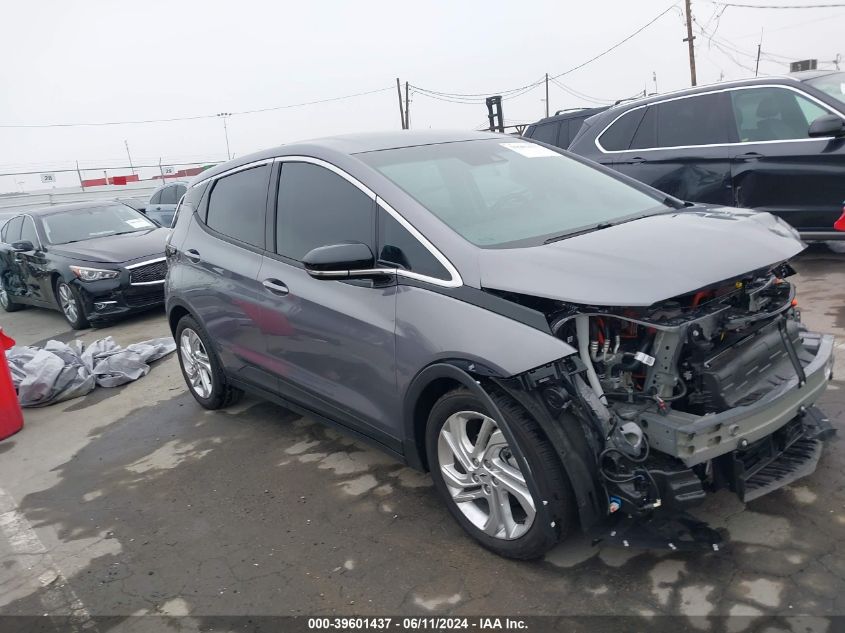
<point>568,440</point>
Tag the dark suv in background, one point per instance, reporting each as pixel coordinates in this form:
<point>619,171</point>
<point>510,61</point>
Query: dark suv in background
<point>772,144</point>
<point>559,130</point>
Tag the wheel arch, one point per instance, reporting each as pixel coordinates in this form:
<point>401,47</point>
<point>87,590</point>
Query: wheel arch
<point>176,311</point>
<point>439,378</point>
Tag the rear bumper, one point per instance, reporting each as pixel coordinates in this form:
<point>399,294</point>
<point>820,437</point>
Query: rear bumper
<point>696,439</point>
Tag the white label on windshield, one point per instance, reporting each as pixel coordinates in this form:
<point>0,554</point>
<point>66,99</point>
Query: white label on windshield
<point>138,223</point>
<point>529,150</point>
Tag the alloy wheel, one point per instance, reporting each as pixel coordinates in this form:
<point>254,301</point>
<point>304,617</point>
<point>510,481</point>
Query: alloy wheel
<point>4,299</point>
<point>68,303</point>
<point>196,363</point>
<point>483,476</point>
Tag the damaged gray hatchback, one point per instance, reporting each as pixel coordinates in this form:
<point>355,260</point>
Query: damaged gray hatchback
<point>559,345</point>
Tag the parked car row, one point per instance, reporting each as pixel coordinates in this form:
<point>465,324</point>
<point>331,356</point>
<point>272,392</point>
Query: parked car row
<point>773,144</point>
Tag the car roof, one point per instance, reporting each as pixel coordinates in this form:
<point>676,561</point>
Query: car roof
<point>722,85</point>
<point>804,75</point>
<point>60,208</point>
<point>563,115</point>
<point>351,144</point>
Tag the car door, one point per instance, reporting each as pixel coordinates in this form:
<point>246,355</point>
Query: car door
<point>777,167</point>
<point>331,342</point>
<point>683,146</point>
<point>219,260</point>
<point>34,266</point>
<point>11,269</point>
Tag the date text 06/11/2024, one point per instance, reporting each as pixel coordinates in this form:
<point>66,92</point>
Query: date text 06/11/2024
<point>417,624</point>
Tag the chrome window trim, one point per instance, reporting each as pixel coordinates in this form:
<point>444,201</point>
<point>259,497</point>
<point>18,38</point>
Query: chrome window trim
<point>455,280</point>
<point>738,143</point>
<point>233,170</point>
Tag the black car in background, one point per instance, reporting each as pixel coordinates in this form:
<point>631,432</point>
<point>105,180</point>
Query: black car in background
<point>93,261</point>
<point>559,130</point>
<point>773,144</point>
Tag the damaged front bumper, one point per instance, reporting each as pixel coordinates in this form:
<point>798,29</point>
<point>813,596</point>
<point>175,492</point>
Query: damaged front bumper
<point>697,439</point>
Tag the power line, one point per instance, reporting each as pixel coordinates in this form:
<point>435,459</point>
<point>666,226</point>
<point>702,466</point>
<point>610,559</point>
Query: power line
<point>778,6</point>
<point>617,45</point>
<point>194,118</point>
<point>478,97</point>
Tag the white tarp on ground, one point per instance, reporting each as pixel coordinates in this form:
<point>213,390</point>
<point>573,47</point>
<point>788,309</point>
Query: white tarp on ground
<point>60,371</point>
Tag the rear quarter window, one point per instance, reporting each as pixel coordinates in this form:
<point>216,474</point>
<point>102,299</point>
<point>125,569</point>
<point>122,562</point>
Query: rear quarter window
<point>619,135</point>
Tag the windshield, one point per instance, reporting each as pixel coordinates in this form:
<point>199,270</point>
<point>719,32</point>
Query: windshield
<point>833,84</point>
<point>498,193</point>
<point>85,224</point>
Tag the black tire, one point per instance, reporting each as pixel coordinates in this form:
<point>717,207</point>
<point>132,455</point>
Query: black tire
<point>79,319</point>
<point>222,394</point>
<point>7,304</point>
<point>548,475</point>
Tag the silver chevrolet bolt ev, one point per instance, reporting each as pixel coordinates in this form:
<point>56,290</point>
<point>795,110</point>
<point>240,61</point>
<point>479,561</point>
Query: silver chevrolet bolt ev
<point>558,344</point>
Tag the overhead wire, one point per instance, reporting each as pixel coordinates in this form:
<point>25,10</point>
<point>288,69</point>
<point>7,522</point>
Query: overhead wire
<point>195,117</point>
<point>479,97</point>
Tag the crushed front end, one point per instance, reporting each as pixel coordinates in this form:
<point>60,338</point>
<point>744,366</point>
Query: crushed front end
<point>715,389</point>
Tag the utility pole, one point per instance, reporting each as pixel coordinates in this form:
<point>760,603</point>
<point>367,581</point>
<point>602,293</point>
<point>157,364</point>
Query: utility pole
<point>407,109</point>
<point>125,142</point>
<point>401,111</point>
<point>547,95</point>
<point>689,38</point>
<point>79,174</point>
<point>224,116</point>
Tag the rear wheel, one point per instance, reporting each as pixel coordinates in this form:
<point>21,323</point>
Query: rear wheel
<point>476,472</point>
<point>72,306</point>
<point>201,368</point>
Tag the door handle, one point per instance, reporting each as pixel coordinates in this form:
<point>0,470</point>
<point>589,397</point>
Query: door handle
<point>275,286</point>
<point>638,159</point>
<point>192,255</point>
<point>750,156</point>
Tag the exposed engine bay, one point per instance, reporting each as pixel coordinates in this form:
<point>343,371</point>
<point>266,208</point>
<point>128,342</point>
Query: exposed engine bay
<point>710,390</point>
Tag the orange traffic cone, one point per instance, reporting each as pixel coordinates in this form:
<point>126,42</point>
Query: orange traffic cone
<point>11,417</point>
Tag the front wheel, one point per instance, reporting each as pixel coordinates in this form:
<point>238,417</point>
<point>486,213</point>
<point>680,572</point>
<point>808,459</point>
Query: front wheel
<point>477,474</point>
<point>72,306</point>
<point>6,301</point>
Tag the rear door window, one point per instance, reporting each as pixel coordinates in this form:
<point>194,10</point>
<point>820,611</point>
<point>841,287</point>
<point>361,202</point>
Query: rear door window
<point>13,230</point>
<point>773,114</point>
<point>546,133</point>
<point>317,207</point>
<point>237,205</point>
<point>619,135</point>
<point>699,120</point>
<point>156,199</point>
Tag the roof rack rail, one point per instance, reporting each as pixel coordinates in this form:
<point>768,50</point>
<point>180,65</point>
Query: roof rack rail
<point>570,110</point>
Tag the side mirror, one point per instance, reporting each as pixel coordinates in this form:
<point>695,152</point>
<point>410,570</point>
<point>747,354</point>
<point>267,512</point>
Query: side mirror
<point>827,125</point>
<point>341,261</point>
<point>23,247</point>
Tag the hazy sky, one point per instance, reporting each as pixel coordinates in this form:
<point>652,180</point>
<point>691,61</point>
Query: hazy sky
<point>99,60</point>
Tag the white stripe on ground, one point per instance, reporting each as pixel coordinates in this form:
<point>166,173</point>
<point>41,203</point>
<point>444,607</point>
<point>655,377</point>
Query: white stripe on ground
<point>41,573</point>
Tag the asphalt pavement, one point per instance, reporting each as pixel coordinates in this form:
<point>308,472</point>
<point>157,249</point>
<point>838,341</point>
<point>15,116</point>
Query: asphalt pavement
<point>135,501</point>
